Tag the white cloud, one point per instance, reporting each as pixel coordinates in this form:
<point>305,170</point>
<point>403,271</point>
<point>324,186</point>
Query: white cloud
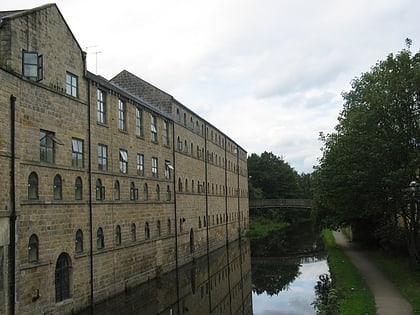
<point>269,74</point>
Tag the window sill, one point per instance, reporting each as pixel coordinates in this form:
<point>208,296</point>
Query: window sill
<point>33,265</point>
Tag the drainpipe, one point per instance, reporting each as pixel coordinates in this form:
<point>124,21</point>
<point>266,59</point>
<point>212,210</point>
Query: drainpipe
<point>90,200</point>
<point>12,220</point>
<point>207,210</point>
<point>175,218</point>
<point>227,226</point>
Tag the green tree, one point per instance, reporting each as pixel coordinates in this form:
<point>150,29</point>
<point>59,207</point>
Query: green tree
<point>373,154</point>
<point>271,177</point>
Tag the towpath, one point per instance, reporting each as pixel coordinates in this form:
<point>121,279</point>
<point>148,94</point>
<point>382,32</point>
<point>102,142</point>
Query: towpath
<point>387,298</point>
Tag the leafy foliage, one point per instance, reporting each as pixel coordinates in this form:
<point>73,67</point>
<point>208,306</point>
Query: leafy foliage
<point>271,177</point>
<point>374,152</point>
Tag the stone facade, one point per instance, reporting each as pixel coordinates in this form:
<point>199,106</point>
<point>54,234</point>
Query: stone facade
<point>114,182</point>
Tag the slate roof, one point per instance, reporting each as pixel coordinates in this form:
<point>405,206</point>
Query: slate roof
<point>7,13</point>
<point>144,90</point>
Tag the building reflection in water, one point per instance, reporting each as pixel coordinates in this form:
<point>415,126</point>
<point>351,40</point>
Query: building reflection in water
<point>218,283</point>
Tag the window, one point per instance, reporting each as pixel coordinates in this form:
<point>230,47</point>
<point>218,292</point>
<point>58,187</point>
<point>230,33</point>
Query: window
<point>139,122</point>
<point>179,144</point>
<point>78,189</point>
<point>77,152</point>
<point>140,164</point>
<point>46,145</point>
<point>145,192</point>
<point>123,161</point>
<point>191,241</point>
<point>168,168</point>
<point>62,278</point>
<point>158,228</point>
<point>101,107</point>
<point>117,190</point>
<point>102,157</point>
<point>169,226</point>
<point>122,116</point>
<point>71,84</point>
<point>165,133</point>
<point>146,231</point>
<point>133,232</point>
<point>153,128</point>
<point>57,188</point>
<point>100,243</point>
<point>32,65</point>
<point>154,167</point>
<point>33,186</point>
<point>134,192</point>
<point>168,193</point>
<point>100,190</point>
<point>33,247</point>
<point>79,241</point>
<point>157,192</point>
<point>118,235</point>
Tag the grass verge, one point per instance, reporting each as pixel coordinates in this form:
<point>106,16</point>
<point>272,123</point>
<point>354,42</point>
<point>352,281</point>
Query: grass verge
<point>398,271</point>
<point>354,295</point>
<point>260,228</point>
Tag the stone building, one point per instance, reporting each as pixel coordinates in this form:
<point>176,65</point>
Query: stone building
<point>104,184</point>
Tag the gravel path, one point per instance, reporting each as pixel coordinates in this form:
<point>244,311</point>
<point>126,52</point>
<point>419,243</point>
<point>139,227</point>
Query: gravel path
<point>387,298</point>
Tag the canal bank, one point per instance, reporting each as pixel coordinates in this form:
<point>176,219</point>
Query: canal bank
<point>388,300</point>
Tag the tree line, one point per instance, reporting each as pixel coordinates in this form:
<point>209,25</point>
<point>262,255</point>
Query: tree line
<point>368,175</point>
<point>271,177</point>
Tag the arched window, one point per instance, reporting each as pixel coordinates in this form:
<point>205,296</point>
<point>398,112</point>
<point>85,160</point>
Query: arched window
<point>79,241</point>
<point>58,195</point>
<point>145,192</point>
<point>134,192</point>
<point>117,192</point>
<point>199,222</point>
<point>179,144</point>
<point>168,193</point>
<point>33,186</point>
<point>158,228</point>
<point>118,235</point>
<point>146,231</point>
<point>133,232</point>
<point>179,185</point>
<point>100,242</point>
<point>185,146</point>
<point>62,277</point>
<point>191,241</point>
<point>33,248</point>
<point>186,185</point>
<point>169,226</point>
<point>78,189</point>
<point>100,190</point>
<point>192,185</point>
<point>157,192</point>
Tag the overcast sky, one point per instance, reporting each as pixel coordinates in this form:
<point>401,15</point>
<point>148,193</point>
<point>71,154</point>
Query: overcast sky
<point>268,73</point>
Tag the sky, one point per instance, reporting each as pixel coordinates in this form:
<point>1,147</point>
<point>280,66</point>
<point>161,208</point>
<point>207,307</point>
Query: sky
<point>268,73</point>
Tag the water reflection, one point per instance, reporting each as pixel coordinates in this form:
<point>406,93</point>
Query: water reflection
<point>219,283</point>
<point>285,269</point>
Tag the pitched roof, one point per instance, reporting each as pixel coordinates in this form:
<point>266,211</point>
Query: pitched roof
<point>4,14</point>
<point>144,90</point>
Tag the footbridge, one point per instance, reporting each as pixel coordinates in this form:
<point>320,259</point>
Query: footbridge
<point>298,204</point>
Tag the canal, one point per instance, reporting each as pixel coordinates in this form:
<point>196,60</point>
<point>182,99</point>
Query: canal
<point>275,276</point>
<point>286,267</point>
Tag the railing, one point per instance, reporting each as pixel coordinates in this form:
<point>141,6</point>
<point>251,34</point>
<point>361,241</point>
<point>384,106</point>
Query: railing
<point>281,203</point>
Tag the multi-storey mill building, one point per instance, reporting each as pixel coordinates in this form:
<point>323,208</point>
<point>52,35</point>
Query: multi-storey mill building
<point>104,183</point>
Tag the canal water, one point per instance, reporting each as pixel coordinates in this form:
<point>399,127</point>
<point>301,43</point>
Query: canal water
<point>285,269</point>
<point>274,276</point>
